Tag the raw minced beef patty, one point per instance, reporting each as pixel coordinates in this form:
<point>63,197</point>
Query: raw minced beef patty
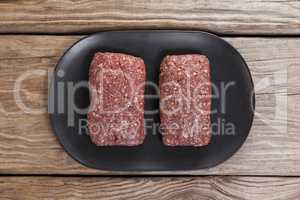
<point>185,100</point>
<point>116,114</point>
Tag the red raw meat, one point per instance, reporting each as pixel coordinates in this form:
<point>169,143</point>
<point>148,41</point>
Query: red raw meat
<point>116,115</point>
<point>185,100</point>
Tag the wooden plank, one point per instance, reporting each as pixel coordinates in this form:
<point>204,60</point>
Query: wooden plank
<point>228,17</point>
<point>28,145</point>
<point>217,188</point>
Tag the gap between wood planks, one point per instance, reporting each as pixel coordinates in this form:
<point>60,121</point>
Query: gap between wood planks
<point>192,30</point>
<point>144,175</point>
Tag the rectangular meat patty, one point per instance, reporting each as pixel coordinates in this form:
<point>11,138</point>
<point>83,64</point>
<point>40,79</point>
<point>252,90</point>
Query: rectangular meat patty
<point>116,114</point>
<point>185,100</point>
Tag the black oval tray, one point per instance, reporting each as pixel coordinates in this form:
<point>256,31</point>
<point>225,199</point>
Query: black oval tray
<point>227,66</point>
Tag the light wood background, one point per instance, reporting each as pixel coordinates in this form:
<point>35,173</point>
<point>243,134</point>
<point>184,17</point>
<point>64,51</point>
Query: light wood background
<point>270,17</point>
<point>34,35</point>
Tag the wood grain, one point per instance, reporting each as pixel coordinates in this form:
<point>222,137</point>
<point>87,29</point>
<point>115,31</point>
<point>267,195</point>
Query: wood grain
<point>195,188</point>
<point>28,145</point>
<point>271,17</point>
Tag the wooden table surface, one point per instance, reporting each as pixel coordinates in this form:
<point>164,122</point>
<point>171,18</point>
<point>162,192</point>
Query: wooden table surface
<point>33,36</point>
